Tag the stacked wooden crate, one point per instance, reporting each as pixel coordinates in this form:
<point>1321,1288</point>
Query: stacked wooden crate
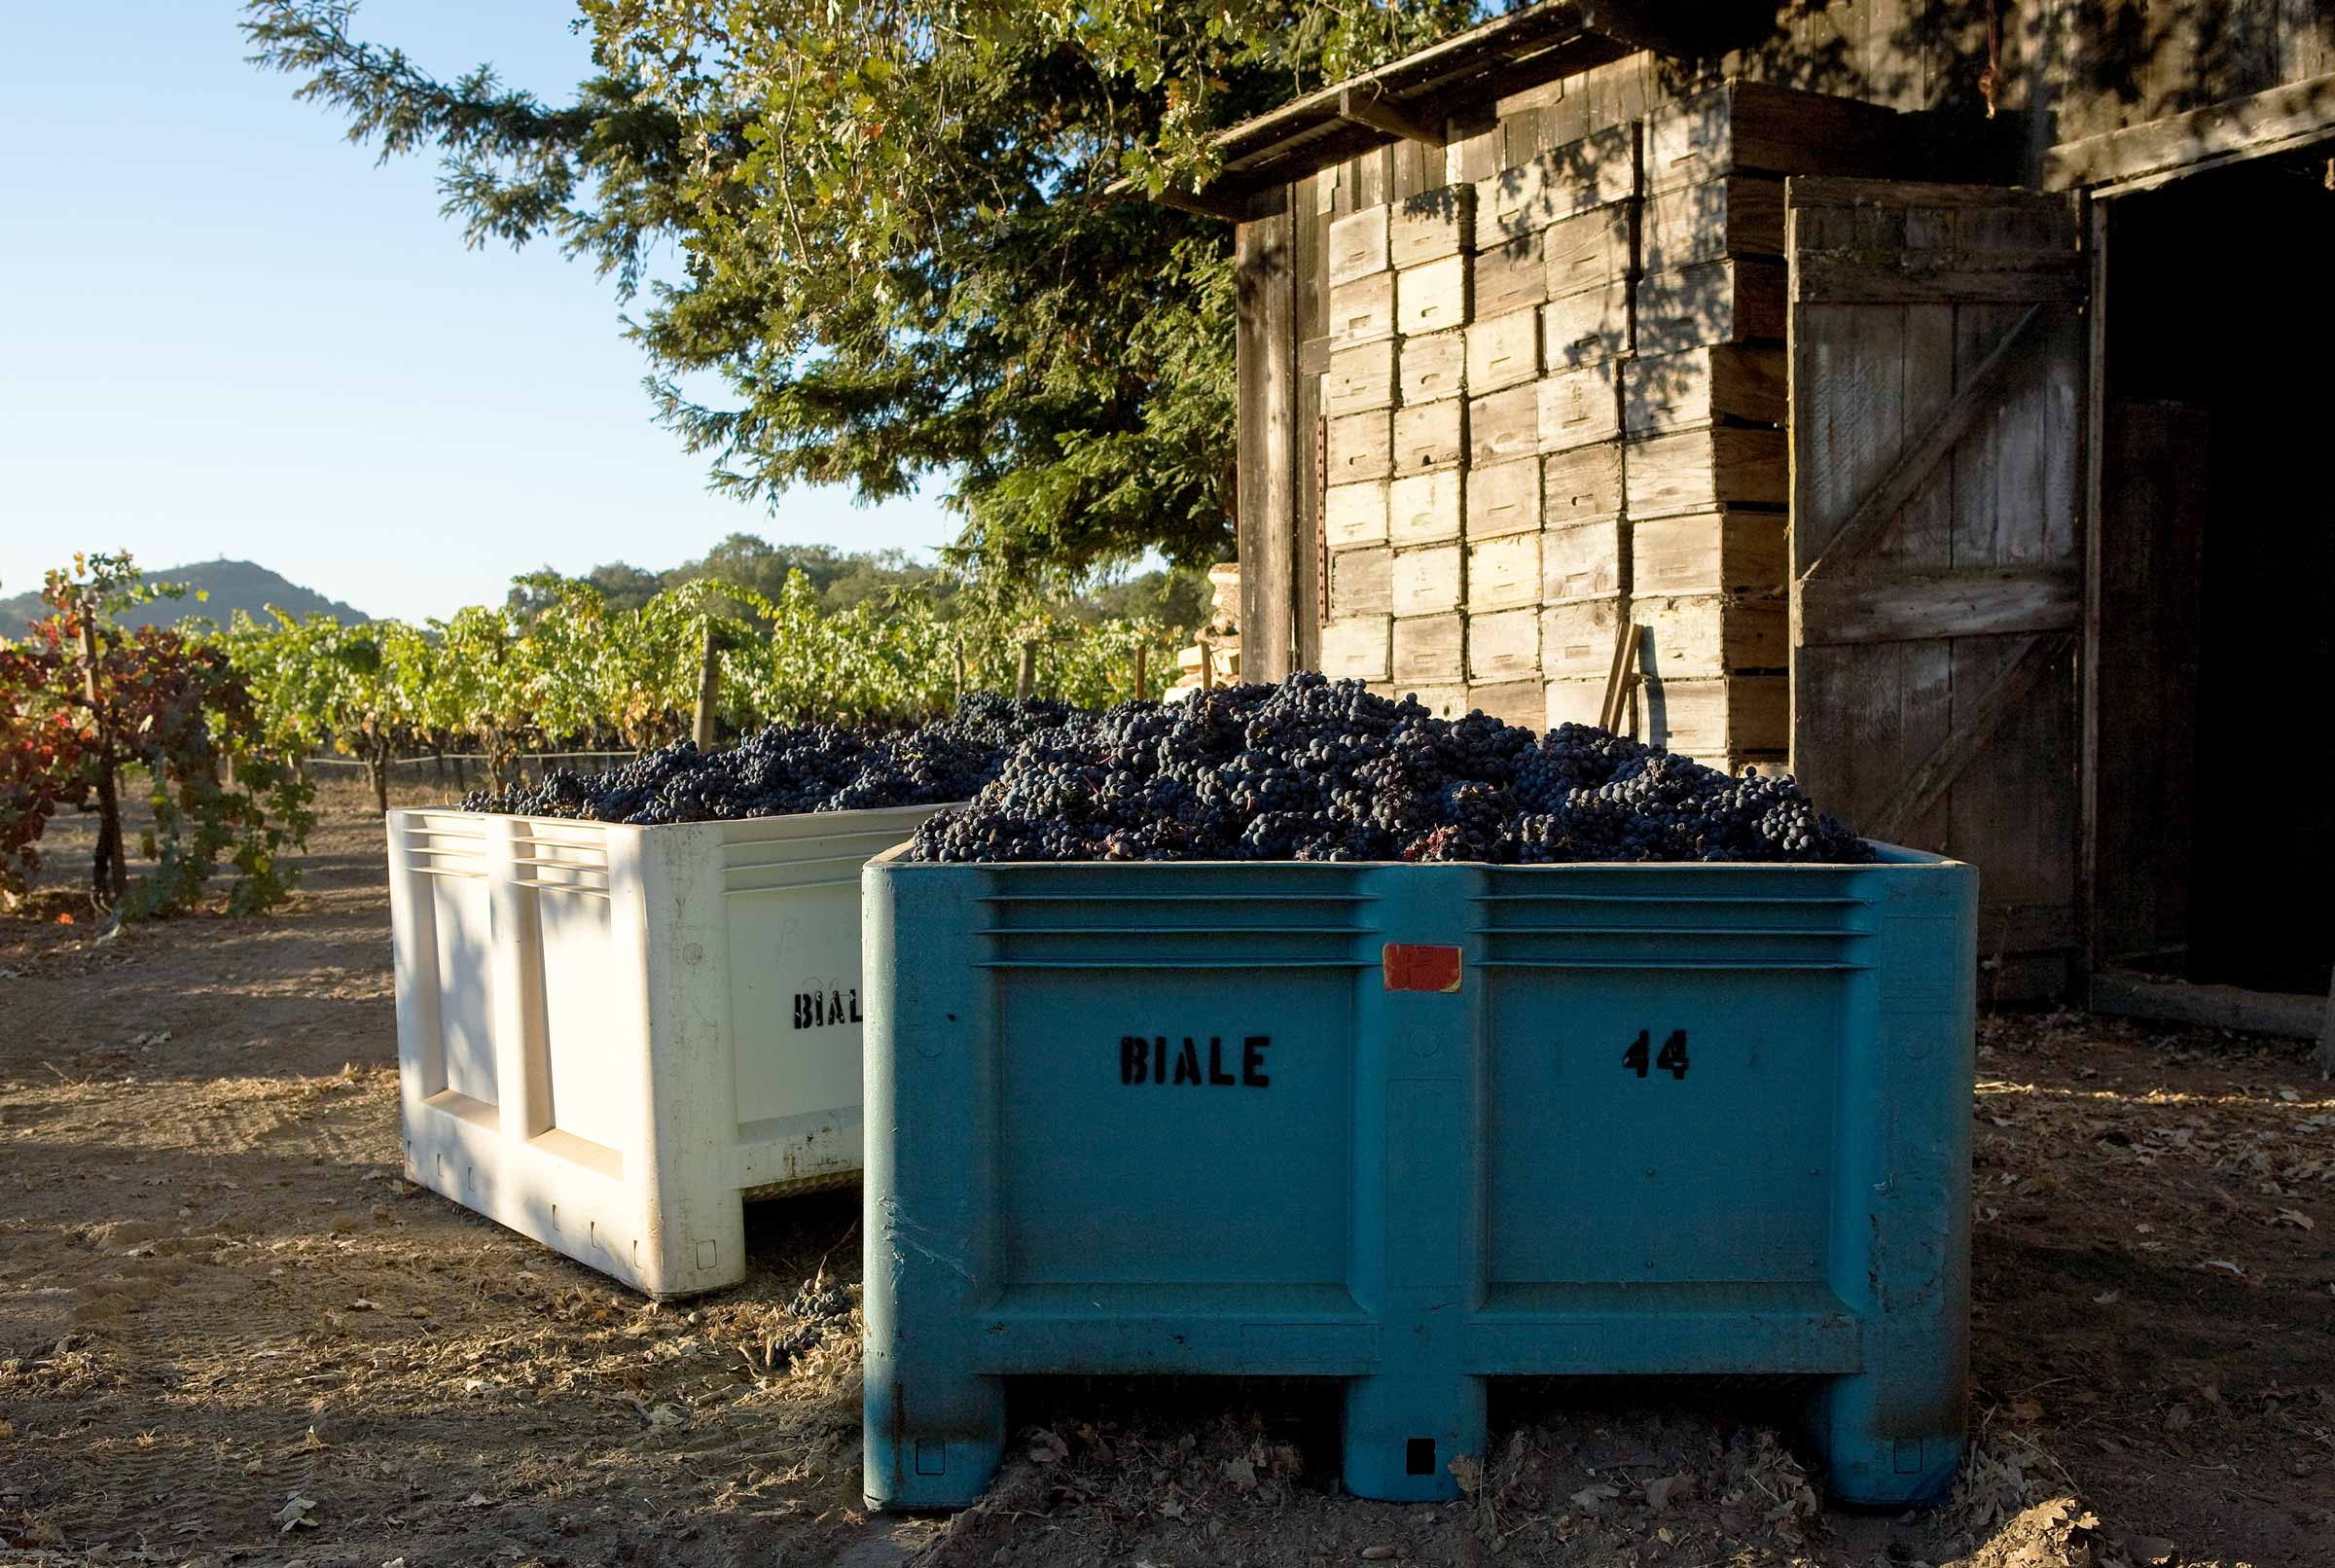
<point>1703,401</point>
<point>1396,438</point>
<point>1554,404</point>
<point>1555,239</point>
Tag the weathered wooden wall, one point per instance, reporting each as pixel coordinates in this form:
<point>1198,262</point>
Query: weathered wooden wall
<point>2069,68</point>
<point>1385,527</point>
<point>2065,69</point>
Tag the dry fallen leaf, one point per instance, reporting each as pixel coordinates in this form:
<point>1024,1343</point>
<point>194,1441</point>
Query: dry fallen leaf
<point>1377,1553</point>
<point>295,1512</point>
<point>2298,1219</point>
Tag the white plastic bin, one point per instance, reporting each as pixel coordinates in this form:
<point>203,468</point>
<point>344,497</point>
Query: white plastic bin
<point>609,1037</point>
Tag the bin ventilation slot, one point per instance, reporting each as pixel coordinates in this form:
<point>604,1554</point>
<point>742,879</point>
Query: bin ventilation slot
<point>1155,930</point>
<point>1149,899</point>
<point>1155,965</point>
<point>1185,938</point>
<point>462,858</point>
<point>561,865</point>
<point>586,888</point>
<point>1671,931</point>
<point>560,852</point>
<point>808,871</point>
<point>775,851</point>
<point>1670,900</point>
<point>451,873</point>
<point>791,887</point>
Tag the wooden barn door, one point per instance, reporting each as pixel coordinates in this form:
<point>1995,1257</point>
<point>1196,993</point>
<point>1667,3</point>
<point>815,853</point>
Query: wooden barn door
<point>1937,379</point>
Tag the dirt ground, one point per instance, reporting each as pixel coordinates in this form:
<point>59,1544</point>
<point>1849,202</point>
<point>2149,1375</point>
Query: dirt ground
<point>231,1333</point>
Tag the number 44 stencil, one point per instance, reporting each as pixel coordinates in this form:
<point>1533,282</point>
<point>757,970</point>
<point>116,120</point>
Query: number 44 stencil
<point>1672,1055</point>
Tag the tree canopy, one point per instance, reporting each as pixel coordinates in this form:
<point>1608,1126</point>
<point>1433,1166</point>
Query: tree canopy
<point>896,256</point>
<point>1176,597</point>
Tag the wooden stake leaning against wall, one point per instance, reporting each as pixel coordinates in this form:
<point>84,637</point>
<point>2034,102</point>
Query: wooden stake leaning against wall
<point>1622,678</point>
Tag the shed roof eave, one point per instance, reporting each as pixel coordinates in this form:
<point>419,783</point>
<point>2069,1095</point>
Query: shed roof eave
<point>1423,88</point>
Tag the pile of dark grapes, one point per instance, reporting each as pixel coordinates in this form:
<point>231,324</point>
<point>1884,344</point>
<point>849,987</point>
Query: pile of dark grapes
<point>1311,769</point>
<point>794,767</point>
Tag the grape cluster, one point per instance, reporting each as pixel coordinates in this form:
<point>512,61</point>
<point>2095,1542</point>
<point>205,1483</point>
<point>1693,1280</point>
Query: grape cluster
<point>1311,769</point>
<point>793,768</point>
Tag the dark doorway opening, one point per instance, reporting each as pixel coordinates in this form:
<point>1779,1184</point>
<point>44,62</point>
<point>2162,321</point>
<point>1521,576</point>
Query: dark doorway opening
<point>2215,807</point>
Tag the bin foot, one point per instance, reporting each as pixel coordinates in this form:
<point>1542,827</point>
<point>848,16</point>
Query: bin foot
<point>932,1444</point>
<point>1402,1433</point>
<point>1870,1462</point>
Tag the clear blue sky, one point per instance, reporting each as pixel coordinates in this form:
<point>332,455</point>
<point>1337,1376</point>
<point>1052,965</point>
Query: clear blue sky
<point>225,330</point>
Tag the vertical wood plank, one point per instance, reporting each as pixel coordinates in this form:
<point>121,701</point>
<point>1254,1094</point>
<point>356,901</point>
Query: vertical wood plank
<point>2095,520</point>
<point>1310,238</point>
<point>1267,445</point>
<point>1310,230</point>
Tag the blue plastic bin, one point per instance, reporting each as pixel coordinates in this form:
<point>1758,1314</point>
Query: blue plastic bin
<point>1413,1128</point>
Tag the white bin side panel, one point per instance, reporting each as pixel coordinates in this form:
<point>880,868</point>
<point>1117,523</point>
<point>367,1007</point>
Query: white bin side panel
<point>615,1034</point>
<point>795,1023</point>
<point>591,1011</point>
<point>464,987</point>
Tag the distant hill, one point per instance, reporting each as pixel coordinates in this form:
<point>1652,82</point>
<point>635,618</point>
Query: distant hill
<point>232,585</point>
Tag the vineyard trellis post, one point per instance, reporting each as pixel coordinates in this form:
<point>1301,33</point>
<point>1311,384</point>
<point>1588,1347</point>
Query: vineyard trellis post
<point>1027,681</point>
<point>709,689</point>
<point>1141,652</point>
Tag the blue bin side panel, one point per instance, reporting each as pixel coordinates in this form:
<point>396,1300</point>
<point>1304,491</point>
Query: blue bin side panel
<point>1357,1170</point>
<point>1192,1126</point>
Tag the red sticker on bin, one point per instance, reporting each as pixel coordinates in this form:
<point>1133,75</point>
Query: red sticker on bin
<point>1418,966</point>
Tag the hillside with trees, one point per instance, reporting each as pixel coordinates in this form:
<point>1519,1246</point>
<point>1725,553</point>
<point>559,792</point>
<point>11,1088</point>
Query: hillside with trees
<point>215,592</point>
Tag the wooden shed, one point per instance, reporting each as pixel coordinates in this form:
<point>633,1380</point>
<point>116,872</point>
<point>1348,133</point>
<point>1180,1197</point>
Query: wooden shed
<point>1929,385</point>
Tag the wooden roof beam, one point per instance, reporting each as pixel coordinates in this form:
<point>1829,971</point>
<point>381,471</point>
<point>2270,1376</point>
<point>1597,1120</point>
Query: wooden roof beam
<point>1656,24</point>
<point>1363,106</point>
<point>2143,156</point>
<point>1213,203</point>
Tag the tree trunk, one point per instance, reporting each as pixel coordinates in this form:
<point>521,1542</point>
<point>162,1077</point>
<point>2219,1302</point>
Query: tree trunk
<point>709,693</point>
<point>1026,682</point>
<point>108,874</point>
<point>379,765</point>
<point>438,756</point>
